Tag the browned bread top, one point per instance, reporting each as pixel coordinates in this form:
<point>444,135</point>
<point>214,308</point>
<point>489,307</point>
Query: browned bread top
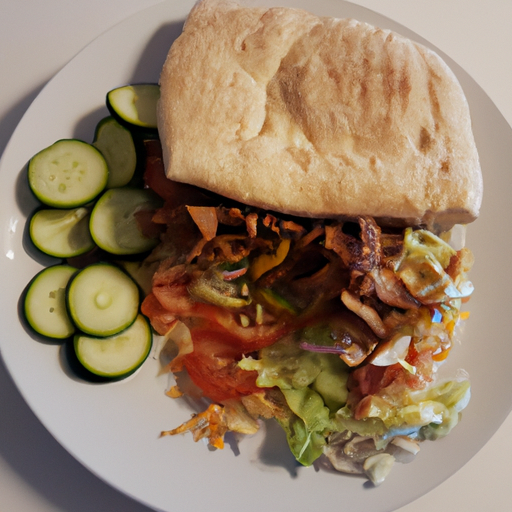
<point>317,117</point>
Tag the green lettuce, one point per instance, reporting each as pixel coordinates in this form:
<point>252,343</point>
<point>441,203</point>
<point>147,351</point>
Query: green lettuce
<point>428,414</point>
<point>287,366</point>
<point>314,386</point>
<point>307,427</point>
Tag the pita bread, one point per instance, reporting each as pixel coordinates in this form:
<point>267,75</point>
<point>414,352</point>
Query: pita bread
<point>317,117</point>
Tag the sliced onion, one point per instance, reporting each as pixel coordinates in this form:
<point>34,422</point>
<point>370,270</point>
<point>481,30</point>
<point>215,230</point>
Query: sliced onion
<point>337,348</point>
<point>457,237</point>
<point>392,351</point>
<point>205,218</point>
<point>367,313</point>
<point>229,275</point>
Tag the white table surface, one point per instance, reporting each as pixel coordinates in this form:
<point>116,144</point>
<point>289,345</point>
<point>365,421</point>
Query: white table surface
<point>38,37</point>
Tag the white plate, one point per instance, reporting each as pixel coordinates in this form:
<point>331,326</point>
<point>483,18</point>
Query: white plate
<point>114,429</point>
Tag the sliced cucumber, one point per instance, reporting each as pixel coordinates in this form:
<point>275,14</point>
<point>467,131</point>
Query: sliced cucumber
<point>114,226</point>
<point>118,355</point>
<point>102,300</point>
<point>45,303</point>
<point>67,174</point>
<point>116,144</point>
<point>62,233</point>
<point>135,105</point>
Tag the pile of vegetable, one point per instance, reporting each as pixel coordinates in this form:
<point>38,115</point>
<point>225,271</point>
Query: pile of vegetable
<point>95,216</point>
<point>334,329</point>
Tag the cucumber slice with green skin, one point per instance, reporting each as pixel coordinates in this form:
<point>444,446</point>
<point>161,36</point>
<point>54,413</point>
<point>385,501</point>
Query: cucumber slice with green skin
<point>135,105</point>
<point>116,356</point>
<point>45,302</point>
<point>67,174</point>
<point>114,226</point>
<point>116,144</point>
<point>102,300</point>
<point>62,233</point>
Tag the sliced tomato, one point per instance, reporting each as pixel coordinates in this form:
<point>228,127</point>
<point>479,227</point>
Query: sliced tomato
<point>213,367</point>
<point>161,318</point>
<point>154,172</point>
<point>170,288</point>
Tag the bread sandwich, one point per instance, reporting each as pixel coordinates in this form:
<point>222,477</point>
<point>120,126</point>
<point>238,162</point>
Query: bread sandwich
<point>317,171</point>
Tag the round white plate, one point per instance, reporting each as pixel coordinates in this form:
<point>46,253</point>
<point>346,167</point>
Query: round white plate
<point>113,429</point>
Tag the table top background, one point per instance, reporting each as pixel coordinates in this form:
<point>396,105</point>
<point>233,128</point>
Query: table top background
<point>36,40</point>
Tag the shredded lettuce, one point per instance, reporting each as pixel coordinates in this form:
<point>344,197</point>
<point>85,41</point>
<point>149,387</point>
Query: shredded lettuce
<point>314,386</point>
<point>429,414</point>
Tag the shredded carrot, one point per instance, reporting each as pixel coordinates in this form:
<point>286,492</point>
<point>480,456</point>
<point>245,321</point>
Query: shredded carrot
<point>209,423</point>
<point>174,392</point>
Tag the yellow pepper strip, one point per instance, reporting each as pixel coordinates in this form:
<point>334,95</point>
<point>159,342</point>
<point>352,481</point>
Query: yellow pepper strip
<point>266,262</point>
<point>442,355</point>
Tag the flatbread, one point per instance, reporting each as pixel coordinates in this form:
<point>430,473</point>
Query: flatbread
<point>317,117</point>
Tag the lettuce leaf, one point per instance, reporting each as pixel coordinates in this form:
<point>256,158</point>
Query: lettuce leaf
<point>314,387</point>
<point>306,428</point>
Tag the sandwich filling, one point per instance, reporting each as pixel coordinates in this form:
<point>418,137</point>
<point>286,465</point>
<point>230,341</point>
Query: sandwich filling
<point>334,329</point>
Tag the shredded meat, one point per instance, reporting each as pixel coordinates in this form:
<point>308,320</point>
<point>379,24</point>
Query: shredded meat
<point>368,314</point>
<point>391,290</point>
<point>229,216</point>
<point>371,248</point>
<point>251,222</point>
<point>324,263</point>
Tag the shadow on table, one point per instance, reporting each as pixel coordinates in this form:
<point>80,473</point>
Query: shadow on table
<point>47,467</point>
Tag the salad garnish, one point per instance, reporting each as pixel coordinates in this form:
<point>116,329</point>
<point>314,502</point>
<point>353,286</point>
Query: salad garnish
<point>334,329</point>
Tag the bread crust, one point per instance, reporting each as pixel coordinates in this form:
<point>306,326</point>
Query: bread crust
<point>317,117</point>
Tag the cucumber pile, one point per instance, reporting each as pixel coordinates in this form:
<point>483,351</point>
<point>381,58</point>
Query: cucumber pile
<point>91,199</point>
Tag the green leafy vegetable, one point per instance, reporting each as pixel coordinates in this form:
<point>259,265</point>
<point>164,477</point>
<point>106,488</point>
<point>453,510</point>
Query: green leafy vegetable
<point>314,386</point>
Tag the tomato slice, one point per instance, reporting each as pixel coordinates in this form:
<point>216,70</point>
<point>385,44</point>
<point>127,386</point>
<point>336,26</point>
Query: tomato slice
<point>213,367</point>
